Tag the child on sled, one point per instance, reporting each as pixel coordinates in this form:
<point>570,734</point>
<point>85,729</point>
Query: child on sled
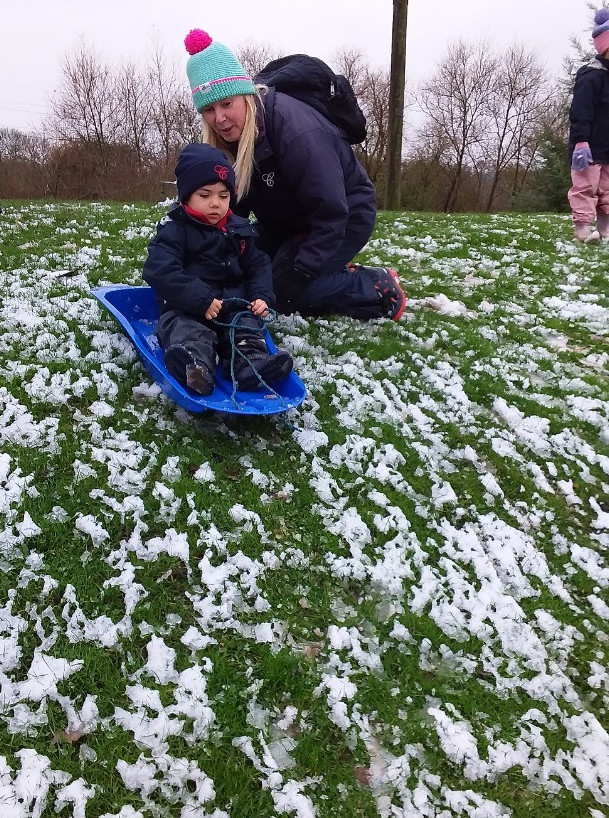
<point>203,264</point>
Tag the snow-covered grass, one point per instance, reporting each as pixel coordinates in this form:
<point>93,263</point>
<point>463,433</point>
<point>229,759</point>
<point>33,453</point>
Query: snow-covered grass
<point>392,602</point>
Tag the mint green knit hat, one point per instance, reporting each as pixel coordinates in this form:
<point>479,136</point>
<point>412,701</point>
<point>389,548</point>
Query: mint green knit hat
<point>213,70</point>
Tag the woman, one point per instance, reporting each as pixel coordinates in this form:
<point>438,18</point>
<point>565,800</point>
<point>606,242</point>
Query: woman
<point>314,204</point>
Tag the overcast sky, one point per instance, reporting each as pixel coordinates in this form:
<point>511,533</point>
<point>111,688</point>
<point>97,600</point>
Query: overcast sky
<point>36,34</point>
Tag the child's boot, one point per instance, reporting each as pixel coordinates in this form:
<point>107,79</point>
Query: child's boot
<point>199,378</point>
<point>585,232</point>
<point>189,370</point>
<point>261,369</point>
<point>602,225</point>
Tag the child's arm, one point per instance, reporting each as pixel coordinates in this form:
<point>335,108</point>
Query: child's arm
<point>164,271</point>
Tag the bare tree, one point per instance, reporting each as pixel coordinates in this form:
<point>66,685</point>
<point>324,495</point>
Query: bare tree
<point>135,101</point>
<point>350,63</point>
<point>520,96</point>
<point>423,175</point>
<point>13,144</point>
<point>123,125</point>
<point>253,56</point>
<point>455,100</point>
<point>18,171</point>
<point>372,90</point>
<point>87,107</point>
<point>172,113</point>
<point>373,151</point>
<point>187,121</point>
<point>45,164</point>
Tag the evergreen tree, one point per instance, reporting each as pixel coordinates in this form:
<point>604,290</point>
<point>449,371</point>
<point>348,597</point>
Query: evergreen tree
<point>553,179</point>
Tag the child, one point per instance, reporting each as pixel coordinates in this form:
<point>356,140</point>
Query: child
<point>589,140</point>
<point>201,256</point>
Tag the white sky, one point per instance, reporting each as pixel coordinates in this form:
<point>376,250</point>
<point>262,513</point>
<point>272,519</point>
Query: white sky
<point>36,34</point>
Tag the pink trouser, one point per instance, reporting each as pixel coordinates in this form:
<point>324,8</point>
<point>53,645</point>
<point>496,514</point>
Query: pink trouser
<point>589,193</point>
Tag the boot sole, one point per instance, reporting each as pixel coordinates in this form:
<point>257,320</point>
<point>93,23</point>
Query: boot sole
<point>353,268</point>
<point>199,380</point>
<point>182,365</point>
<point>402,306</point>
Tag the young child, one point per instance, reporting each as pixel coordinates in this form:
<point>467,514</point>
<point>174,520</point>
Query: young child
<point>203,255</point>
<point>589,140</point>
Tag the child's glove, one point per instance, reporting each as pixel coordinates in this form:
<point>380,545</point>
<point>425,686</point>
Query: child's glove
<point>582,156</point>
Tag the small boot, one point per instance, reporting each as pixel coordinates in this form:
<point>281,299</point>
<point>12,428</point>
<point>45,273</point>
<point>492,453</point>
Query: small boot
<point>188,370</point>
<point>602,225</point>
<point>200,379</point>
<point>263,369</point>
<point>584,232</point>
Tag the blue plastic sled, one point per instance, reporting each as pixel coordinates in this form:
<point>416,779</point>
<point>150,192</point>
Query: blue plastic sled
<point>136,310</point>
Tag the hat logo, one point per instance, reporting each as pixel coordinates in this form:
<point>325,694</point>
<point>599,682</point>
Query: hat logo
<point>205,86</point>
<point>221,171</point>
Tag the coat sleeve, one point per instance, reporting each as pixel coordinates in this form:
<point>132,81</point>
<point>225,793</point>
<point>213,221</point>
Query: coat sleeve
<point>257,273</point>
<point>164,271</point>
<point>315,173</point>
<point>583,106</point>
<point>311,165</point>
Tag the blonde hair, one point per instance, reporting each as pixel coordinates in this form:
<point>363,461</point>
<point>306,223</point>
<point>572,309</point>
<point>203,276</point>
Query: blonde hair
<point>243,157</point>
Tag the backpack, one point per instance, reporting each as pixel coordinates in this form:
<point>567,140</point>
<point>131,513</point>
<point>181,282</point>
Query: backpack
<point>310,80</point>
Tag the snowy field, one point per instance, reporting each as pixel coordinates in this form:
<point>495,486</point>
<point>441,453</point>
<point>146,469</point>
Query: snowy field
<point>391,602</point>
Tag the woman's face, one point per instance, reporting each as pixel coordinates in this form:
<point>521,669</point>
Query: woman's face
<point>227,117</point>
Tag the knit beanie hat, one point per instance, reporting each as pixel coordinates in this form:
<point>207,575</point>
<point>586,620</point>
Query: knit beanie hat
<point>600,32</point>
<point>199,165</point>
<point>213,70</point>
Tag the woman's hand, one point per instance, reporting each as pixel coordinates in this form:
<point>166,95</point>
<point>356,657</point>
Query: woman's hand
<point>213,311</point>
<point>259,307</point>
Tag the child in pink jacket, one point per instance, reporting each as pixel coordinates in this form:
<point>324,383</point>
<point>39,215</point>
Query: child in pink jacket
<point>589,140</point>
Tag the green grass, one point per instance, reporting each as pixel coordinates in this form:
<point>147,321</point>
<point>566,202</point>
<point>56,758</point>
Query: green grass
<point>405,580</point>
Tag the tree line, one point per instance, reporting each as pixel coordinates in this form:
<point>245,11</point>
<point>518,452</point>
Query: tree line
<point>487,131</point>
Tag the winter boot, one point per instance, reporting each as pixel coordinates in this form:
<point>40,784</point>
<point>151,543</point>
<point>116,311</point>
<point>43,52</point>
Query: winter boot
<point>387,285</point>
<point>584,232</point>
<point>200,379</point>
<point>259,370</point>
<point>602,225</point>
<point>188,370</point>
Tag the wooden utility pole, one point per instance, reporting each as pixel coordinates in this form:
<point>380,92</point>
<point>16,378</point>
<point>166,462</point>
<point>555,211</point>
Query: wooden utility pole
<point>393,166</point>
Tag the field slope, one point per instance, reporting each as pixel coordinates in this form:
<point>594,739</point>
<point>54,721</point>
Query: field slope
<point>391,602</point>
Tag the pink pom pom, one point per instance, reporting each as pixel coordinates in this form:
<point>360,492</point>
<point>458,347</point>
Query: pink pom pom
<point>196,41</point>
<point>601,16</point>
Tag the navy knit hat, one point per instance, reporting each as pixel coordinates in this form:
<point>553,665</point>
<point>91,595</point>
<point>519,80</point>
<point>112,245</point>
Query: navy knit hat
<point>200,164</point>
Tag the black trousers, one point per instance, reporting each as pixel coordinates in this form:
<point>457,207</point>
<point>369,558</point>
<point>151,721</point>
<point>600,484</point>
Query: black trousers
<point>209,342</point>
<point>333,290</point>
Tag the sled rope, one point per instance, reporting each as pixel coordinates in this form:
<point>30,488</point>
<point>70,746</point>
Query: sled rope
<point>233,325</point>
